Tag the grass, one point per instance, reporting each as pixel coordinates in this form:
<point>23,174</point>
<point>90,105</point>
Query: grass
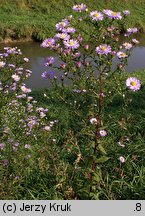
<point>60,159</point>
<point>36,19</point>
<point>116,182</point>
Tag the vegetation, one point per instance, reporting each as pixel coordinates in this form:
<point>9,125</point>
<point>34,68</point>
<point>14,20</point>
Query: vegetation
<point>26,19</point>
<point>83,141</point>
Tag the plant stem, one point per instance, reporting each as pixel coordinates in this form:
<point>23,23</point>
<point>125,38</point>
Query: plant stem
<point>98,123</point>
<point>98,118</point>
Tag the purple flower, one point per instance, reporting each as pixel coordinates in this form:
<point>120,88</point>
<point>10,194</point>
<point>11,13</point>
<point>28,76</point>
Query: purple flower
<point>113,15</point>
<point>63,36</point>
<point>79,7</point>
<point>2,64</point>
<point>68,30</point>
<point>27,146</point>
<point>103,49</point>
<point>49,42</point>
<point>47,128</point>
<point>48,75</point>
<point>26,59</point>
<point>127,45</point>
<point>121,54</point>
<point>25,90</point>
<point>133,83</point>
<point>126,12</point>
<point>103,133</point>
<point>72,44</point>
<point>16,144</point>
<point>107,11</point>
<point>131,31</point>
<point>61,25</point>
<point>135,41</point>
<point>15,77</point>
<point>95,15</point>
<point>11,65</point>
<point>50,61</point>
<point>32,123</point>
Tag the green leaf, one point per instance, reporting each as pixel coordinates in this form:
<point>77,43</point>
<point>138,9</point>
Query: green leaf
<point>101,149</point>
<point>96,177</point>
<point>102,159</point>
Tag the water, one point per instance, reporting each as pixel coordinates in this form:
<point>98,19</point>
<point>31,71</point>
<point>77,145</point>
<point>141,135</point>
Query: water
<point>38,56</point>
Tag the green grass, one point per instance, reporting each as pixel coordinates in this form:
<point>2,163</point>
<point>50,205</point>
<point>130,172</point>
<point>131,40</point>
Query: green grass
<point>36,19</point>
<point>127,126</point>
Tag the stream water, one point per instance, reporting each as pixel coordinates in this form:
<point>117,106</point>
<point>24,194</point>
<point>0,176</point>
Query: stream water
<point>38,55</point>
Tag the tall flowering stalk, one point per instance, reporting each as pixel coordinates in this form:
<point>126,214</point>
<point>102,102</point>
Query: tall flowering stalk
<point>89,69</point>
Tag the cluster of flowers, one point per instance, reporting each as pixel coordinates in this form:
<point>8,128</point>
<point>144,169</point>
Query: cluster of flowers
<point>68,43</point>
<point>18,74</point>
<point>65,43</point>
<point>21,108</point>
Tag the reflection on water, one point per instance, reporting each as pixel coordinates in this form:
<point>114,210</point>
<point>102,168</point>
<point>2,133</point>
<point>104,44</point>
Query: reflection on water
<point>38,55</point>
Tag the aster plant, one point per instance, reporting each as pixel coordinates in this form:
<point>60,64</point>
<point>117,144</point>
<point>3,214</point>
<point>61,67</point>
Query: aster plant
<point>90,70</point>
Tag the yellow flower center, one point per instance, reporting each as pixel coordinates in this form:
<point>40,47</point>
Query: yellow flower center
<point>62,23</point>
<point>71,43</point>
<point>103,48</point>
<point>113,13</point>
<point>62,36</point>
<point>133,83</point>
<point>48,43</point>
<point>96,14</point>
<point>123,54</point>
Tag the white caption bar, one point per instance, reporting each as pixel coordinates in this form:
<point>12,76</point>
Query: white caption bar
<point>72,208</point>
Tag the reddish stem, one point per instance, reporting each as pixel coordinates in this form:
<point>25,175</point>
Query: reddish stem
<point>98,119</point>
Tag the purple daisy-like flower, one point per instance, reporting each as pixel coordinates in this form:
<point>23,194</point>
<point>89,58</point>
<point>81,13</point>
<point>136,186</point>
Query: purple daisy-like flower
<point>71,44</point>
<point>48,75</point>
<point>95,15</point>
<point>79,7</point>
<point>107,11</point>
<point>121,54</point>
<point>15,77</point>
<point>49,61</point>
<point>133,83</point>
<point>24,89</point>
<point>132,30</point>
<point>126,12</point>
<point>135,41</point>
<point>112,15</point>
<point>49,42</point>
<point>27,146</point>
<point>103,133</point>
<point>127,45</point>
<point>103,49</point>
<point>62,36</point>
<point>61,25</point>
<point>11,65</point>
<point>68,30</point>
